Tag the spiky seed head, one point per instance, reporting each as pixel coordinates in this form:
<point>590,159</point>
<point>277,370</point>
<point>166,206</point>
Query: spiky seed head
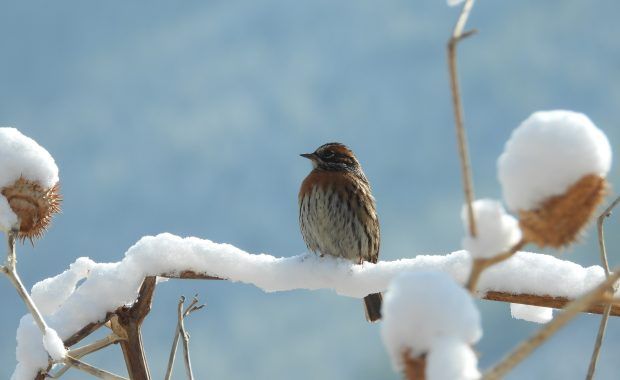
<point>34,205</point>
<point>560,219</point>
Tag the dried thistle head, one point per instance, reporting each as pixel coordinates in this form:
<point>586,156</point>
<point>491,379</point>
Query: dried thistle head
<point>559,219</point>
<point>34,205</point>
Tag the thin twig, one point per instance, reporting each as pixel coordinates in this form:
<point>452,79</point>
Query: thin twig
<point>457,36</point>
<point>603,324</point>
<point>185,337</point>
<point>100,373</point>
<point>175,342</point>
<point>10,270</point>
<point>180,329</point>
<point>571,310</point>
<point>480,264</point>
<point>80,352</point>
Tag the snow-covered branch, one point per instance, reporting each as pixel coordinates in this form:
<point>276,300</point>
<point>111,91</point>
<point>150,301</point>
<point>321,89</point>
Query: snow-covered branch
<point>109,286</point>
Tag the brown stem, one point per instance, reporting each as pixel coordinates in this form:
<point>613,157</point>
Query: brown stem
<point>598,343</point>
<point>548,301</point>
<point>415,368</point>
<point>86,331</point>
<point>480,264</point>
<point>571,310</point>
<point>468,188</point>
<point>127,324</point>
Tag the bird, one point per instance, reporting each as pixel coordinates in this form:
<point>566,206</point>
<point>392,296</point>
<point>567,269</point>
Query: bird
<point>337,212</point>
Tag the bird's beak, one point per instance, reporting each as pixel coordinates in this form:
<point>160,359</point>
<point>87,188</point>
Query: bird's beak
<point>310,156</point>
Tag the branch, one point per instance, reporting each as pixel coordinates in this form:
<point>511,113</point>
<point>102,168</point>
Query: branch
<point>603,325</point>
<point>127,324</point>
<point>88,349</point>
<point>480,264</point>
<point>547,301</point>
<point>183,333</point>
<point>10,270</point>
<point>86,331</point>
<point>105,375</point>
<point>571,310</point>
<point>457,36</point>
<point>180,329</point>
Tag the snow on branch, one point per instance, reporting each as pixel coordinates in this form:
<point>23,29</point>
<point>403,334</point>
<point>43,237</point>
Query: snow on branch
<point>108,286</point>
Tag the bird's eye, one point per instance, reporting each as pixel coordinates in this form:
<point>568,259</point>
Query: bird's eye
<point>327,155</point>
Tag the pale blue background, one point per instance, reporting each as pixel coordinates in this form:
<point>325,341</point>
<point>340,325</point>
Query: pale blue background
<point>188,117</point>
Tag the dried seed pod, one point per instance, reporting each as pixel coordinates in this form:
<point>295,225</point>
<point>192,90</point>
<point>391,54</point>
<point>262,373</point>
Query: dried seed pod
<point>559,220</point>
<point>33,205</point>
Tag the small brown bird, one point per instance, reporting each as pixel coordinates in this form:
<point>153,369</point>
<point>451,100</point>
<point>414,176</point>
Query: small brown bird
<point>337,212</point>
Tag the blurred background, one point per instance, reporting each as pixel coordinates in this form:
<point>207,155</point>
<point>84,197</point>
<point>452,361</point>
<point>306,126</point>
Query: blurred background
<point>188,117</point>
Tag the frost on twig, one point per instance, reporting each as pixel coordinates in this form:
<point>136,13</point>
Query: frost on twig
<point>180,331</point>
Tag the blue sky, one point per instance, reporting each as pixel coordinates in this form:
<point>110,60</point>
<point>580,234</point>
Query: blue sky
<point>188,117</point>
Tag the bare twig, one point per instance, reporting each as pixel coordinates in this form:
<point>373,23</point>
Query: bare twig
<point>10,270</point>
<point>180,329</point>
<point>185,336</point>
<point>480,264</point>
<point>603,324</point>
<point>457,36</point>
<point>175,343</point>
<point>87,349</point>
<point>102,374</point>
<point>571,310</point>
<point>86,331</point>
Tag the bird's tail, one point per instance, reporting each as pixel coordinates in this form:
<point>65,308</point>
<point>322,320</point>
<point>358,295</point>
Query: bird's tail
<point>372,303</point>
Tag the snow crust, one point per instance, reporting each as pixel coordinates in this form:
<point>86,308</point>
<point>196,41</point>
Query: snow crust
<point>107,286</point>
<point>451,359</point>
<point>21,156</point>
<point>497,231</point>
<point>420,307</point>
<point>547,153</point>
<point>529,313</point>
<point>54,345</point>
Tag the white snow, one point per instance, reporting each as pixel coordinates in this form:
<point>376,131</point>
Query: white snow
<point>52,292</point>
<point>420,307</point>
<point>54,345</point>
<point>107,286</point>
<point>30,353</point>
<point>547,153</point>
<point>451,359</point>
<point>21,156</point>
<point>529,313</point>
<point>497,231</point>
<point>7,216</point>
